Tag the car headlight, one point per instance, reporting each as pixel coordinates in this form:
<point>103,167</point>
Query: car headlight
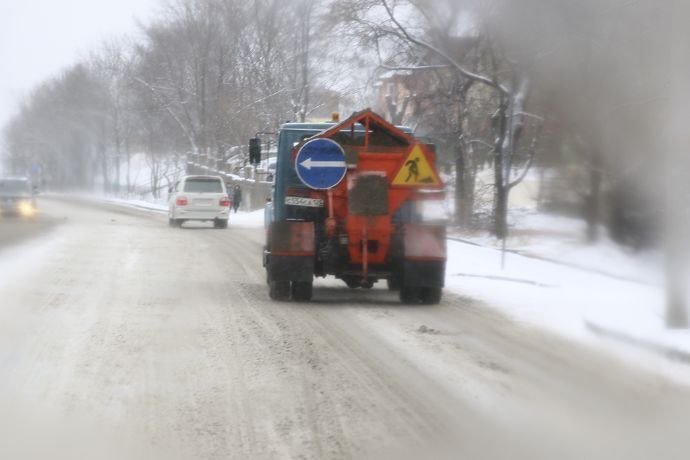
<point>26,209</point>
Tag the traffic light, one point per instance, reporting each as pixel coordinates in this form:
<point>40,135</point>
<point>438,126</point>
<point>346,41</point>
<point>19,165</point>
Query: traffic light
<point>255,151</point>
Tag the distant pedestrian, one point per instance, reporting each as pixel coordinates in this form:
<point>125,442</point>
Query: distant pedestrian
<point>236,197</point>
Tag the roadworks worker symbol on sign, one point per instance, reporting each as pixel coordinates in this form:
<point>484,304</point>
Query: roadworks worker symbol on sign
<point>416,171</point>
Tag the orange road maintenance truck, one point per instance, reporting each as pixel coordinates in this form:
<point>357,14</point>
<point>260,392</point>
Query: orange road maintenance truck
<point>345,203</point>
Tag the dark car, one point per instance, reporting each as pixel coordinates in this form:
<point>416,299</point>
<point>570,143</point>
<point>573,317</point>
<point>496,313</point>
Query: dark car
<point>17,197</point>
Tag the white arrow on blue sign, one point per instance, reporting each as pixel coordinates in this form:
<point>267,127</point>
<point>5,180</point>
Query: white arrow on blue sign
<point>320,164</point>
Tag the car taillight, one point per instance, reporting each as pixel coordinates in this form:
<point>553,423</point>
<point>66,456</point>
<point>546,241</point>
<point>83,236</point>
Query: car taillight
<point>181,202</point>
<point>224,201</point>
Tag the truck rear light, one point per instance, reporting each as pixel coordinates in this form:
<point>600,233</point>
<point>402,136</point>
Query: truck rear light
<point>182,201</point>
<point>224,201</point>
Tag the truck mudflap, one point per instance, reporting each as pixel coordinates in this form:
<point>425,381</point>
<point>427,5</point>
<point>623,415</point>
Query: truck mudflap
<point>423,269</point>
<point>291,249</point>
<point>290,268</point>
<point>424,273</point>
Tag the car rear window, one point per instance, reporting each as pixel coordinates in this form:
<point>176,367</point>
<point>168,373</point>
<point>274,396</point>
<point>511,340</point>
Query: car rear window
<point>201,185</point>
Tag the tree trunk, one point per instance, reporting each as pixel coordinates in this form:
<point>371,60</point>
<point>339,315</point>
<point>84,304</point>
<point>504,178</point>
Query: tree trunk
<point>129,167</point>
<point>306,44</point>
<point>104,171</point>
<point>500,197</point>
<point>501,212</point>
<point>500,122</point>
<point>465,171</point>
<point>593,199</point>
<point>116,184</point>
<point>469,182</point>
<point>154,178</point>
<point>460,185</point>
<point>464,187</point>
<point>118,151</point>
<point>104,163</point>
<point>676,288</point>
<point>677,173</point>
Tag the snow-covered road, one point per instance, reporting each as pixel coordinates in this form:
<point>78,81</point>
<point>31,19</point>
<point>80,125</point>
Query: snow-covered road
<point>122,337</point>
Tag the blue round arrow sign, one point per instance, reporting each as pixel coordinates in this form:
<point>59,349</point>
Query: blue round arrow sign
<point>320,164</point>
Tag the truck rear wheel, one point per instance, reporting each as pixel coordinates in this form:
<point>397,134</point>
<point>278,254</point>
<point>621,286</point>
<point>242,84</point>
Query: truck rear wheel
<point>351,281</point>
<point>430,295</point>
<point>409,295</point>
<point>279,290</point>
<point>302,291</point>
<point>393,284</point>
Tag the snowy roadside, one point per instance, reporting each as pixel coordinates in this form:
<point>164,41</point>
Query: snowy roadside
<point>140,204</point>
<point>578,304</point>
<point>555,279</point>
<point>561,240</point>
<point>146,205</point>
<point>247,219</point>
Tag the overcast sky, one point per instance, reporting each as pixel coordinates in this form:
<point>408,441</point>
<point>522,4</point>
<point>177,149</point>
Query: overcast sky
<point>38,38</point>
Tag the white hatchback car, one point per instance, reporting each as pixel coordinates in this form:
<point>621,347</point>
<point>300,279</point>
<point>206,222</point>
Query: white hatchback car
<point>200,198</point>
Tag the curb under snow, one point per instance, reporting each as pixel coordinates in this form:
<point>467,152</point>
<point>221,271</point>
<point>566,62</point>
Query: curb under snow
<point>669,351</point>
<point>145,207</point>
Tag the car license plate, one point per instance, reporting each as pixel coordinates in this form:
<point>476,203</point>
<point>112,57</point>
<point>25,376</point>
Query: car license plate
<point>302,201</point>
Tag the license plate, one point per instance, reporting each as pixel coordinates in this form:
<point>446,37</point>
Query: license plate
<point>203,202</point>
<point>302,201</point>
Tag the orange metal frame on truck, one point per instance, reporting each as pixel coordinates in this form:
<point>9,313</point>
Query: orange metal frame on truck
<point>373,159</point>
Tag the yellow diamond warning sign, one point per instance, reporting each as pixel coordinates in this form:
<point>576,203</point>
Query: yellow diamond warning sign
<point>416,171</point>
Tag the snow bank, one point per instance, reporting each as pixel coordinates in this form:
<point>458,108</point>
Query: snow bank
<point>154,206</point>
<point>561,239</point>
<point>251,219</point>
<point>579,304</point>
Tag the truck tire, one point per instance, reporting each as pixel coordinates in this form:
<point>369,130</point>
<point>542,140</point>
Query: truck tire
<point>409,295</point>
<point>393,284</point>
<point>430,295</point>
<point>351,281</point>
<point>367,284</point>
<point>279,290</point>
<point>302,291</point>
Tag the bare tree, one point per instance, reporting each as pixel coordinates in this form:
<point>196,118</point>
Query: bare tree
<point>60,130</point>
<point>113,65</point>
<point>507,79</point>
<point>677,173</point>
